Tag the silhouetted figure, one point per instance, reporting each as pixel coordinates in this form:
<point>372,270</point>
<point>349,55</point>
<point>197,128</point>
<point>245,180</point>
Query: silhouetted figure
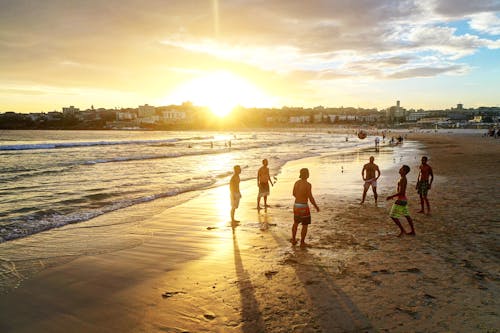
<point>234,189</point>
<point>263,181</point>
<point>302,191</point>
<point>424,182</point>
<point>400,207</point>
<point>370,174</point>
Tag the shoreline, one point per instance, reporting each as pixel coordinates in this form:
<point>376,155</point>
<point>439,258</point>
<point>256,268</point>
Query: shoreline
<point>357,276</point>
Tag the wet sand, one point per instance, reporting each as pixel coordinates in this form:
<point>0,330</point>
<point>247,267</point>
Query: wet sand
<point>187,269</point>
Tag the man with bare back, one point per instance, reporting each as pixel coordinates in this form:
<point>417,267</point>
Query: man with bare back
<point>263,180</point>
<point>368,174</point>
<point>302,191</point>
<point>424,182</point>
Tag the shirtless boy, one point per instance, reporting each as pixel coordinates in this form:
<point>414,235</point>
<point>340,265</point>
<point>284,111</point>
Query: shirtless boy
<point>368,174</point>
<point>234,188</point>
<point>400,207</point>
<point>263,180</point>
<point>301,213</point>
<point>424,182</point>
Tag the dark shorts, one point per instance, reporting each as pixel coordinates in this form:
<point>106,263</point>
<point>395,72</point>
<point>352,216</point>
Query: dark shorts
<point>301,214</point>
<point>423,187</point>
<point>263,189</point>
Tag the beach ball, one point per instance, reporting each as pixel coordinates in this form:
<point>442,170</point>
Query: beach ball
<point>362,135</point>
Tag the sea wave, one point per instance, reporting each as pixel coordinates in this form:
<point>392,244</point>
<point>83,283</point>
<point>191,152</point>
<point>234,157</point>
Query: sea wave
<point>49,219</point>
<point>56,145</point>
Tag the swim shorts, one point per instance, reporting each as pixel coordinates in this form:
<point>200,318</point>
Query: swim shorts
<point>301,213</point>
<point>423,187</point>
<point>235,200</point>
<point>372,182</point>
<point>398,211</point>
<point>263,189</point>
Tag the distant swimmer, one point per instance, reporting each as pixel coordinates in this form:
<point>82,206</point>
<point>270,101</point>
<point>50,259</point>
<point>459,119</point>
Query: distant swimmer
<point>302,191</point>
<point>370,174</point>
<point>424,182</point>
<point>400,207</point>
<point>263,181</point>
<point>234,189</point>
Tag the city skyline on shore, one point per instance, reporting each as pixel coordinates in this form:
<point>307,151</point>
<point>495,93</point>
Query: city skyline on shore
<point>429,54</point>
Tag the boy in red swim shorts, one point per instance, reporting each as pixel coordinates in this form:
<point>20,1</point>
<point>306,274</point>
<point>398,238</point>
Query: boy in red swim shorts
<point>301,213</point>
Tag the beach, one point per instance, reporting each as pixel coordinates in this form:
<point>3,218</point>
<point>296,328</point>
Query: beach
<point>186,268</point>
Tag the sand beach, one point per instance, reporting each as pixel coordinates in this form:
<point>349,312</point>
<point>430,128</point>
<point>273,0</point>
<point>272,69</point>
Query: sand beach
<point>188,269</point>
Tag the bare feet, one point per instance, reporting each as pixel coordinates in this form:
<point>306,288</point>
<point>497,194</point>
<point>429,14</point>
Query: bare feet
<point>293,241</point>
<point>411,233</point>
<point>421,212</point>
<point>258,208</point>
<point>401,234</point>
<point>235,221</point>
<point>304,245</point>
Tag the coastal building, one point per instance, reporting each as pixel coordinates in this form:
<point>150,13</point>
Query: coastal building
<point>146,111</point>
<point>125,115</point>
<point>396,114</point>
<point>415,116</point>
<point>299,119</point>
<point>173,116</point>
<point>70,111</point>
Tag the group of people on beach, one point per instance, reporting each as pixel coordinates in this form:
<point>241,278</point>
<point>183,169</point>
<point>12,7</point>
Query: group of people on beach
<point>302,191</point>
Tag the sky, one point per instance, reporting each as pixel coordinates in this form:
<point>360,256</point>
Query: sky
<point>430,54</point>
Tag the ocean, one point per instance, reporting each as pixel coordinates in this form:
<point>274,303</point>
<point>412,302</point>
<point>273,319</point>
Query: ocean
<point>52,178</point>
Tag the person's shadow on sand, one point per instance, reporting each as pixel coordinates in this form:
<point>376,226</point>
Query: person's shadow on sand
<point>250,312</point>
<point>333,309</point>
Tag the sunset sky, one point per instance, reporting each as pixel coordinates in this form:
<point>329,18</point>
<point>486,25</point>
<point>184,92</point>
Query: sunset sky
<point>367,53</point>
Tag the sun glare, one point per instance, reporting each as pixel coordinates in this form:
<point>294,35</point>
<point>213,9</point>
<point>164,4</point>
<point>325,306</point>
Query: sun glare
<point>221,92</point>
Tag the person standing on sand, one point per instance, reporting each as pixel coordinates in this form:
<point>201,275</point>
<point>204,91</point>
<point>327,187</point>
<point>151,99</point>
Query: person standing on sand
<point>302,191</point>
<point>234,188</point>
<point>400,207</point>
<point>368,174</point>
<point>263,180</point>
<point>424,182</point>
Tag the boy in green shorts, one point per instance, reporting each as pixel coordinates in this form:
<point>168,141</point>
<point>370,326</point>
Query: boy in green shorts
<point>400,207</point>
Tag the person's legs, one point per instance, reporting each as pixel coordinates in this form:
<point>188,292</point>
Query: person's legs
<point>294,233</point>
<point>421,204</point>
<point>265,201</point>
<point>402,230</point>
<point>232,214</point>
<point>427,204</point>
<point>410,222</point>
<point>365,189</point>
<point>374,188</point>
<point>303,234</point>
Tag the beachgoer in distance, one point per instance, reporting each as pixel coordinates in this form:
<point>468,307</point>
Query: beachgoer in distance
<point>368,174</point>
<point>234,188</point>
<point>302,191</point>
<point>424,182</point>
<point>377,142</point>
<point>263,180</point>
<point>400,207</point>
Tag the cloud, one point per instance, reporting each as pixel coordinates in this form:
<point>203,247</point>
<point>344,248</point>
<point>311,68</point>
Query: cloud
<point>488,23</point>
<point>428,72</point>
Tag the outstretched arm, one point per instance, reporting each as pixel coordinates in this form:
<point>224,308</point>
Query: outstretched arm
<point>311,198</point>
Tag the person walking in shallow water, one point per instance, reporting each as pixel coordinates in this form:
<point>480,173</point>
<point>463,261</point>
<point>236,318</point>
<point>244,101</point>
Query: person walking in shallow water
<point>263,180</point>
<point>400,207</point>
<point>234,189</point>
<point>424,182</point>
<point>370,174</point>
<point>302,191</point>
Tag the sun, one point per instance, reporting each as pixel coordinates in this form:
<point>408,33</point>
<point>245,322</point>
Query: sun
<point>221,91</point>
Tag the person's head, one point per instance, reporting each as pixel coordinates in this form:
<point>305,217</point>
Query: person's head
<point>424,160</point>
<point>372,159</point>
<point>264,162</point>
<point>304,173</point>
<point>404,170</point>
<point>237,169</point>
